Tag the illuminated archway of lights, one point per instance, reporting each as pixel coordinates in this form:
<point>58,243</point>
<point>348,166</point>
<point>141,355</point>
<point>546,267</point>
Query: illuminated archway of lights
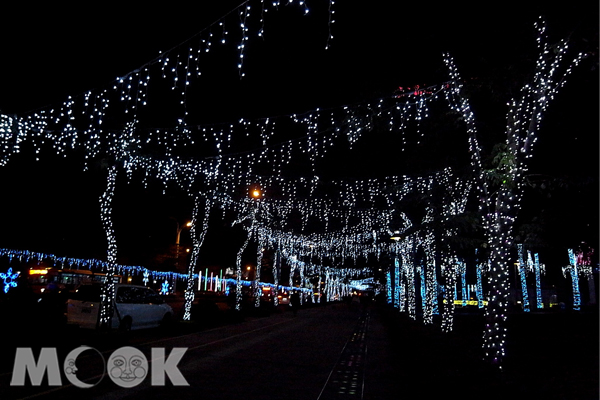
<point>213,162</point>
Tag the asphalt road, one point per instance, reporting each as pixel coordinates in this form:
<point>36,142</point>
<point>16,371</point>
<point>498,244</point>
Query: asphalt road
<point>332,352</point>
<point>282,356</point>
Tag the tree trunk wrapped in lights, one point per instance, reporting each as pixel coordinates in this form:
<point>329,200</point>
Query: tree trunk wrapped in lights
<point>408,272</point>
<point>449,275</point>
<point>523,268</point>
<point>238,260</point>
<point>538,270</point>
<point>108,289</point>
<point>430,277</point>
<point>584,260</point>
<point>259,257</point>
<point>198,240</point>
<point>574,273</point>
<point>500,198</point>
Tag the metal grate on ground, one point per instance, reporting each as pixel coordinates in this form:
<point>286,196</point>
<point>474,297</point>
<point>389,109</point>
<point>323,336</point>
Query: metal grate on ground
<point>346,379</point>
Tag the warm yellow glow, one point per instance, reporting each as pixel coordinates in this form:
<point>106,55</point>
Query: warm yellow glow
<point>396,236</point>
<point>468,302</point>
<point>256,193</point>
<point>38,271</point>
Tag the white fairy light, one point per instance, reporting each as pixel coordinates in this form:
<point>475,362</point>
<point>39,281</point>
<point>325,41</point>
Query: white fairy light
<point>108,289</point>
<point>225,171</point>
<point>198,240</point>
<point>522,268</point>
<point>499,207</point>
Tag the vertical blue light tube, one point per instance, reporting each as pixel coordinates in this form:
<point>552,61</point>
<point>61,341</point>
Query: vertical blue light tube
<point>538,285</point>
<point>479,286</point>
<point>389,287</point>
<point>575,281</point>
<point>396,283</point>
<point>521,267</point>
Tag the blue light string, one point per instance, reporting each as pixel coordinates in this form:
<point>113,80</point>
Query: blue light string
<point>389,287</point>
<point>423,288</point>
<point>574,281</point>
<point>522,271</point>
<point>396,283</point>
<point>436,286</point>
<point>93,264</point>
<point>479,286</point>
<point>9,279</point>
<point>538,285</point>
<point>463,282</point>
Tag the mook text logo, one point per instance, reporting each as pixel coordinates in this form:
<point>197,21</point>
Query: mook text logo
<point>127,367</point>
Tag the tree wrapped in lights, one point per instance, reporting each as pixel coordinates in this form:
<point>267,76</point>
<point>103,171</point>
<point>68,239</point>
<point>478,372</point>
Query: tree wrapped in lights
<point>259,256</point>
<point>584,259</point>
<point>108,289</point>
<point>449,273</point>
<point>573,272</point>
<point>580,264</point>
<point>399,292</point>
<point>430,278</point>
<point>407,276</point>
<point>500,198</point>
<point>538,269</point>
<point>523,269</point>
<point>390,290</point>
<point>462,270</point>
<point>480,269</point>
<point>198,239</point>
<point>254,210</point>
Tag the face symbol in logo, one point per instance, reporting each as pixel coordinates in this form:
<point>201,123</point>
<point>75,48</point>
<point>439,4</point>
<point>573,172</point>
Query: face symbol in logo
<point>71,370</point>
<point>127,367</point>
<point>70,367</point>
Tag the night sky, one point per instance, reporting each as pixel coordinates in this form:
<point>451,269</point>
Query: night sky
<point>52,51</point>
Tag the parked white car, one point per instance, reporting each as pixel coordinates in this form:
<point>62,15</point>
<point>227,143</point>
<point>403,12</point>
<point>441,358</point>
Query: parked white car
<point>135,307</point>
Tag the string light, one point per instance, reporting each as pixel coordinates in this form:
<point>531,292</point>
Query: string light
<point>584,260</point>
<point>225,171</point>
<point>572,270</point>
<point>521,266</point>
<point>330,22</point>
<point>198,240</point>
<point>462,271</point>
<point>108,289</point>
<point>538,270</point>
<point>449,273</point>
<point>398,289</point>
<point>499,207</point>
<point>480,270</point>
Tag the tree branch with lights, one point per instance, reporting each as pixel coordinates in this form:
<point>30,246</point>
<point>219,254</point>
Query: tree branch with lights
<point>499,199</point>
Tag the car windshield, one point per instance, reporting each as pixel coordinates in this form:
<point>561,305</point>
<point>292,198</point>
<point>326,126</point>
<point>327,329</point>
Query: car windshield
<point>89,293</point>
<point>137,295</point>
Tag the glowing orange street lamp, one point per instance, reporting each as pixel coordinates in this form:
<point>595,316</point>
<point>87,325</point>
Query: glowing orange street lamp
<point>256,193</point>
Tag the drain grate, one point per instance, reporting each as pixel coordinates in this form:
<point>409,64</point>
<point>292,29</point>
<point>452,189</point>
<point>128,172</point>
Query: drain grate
<point>346,379</point>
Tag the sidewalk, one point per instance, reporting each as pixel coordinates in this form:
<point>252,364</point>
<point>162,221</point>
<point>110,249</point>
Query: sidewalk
<point>549,356</point>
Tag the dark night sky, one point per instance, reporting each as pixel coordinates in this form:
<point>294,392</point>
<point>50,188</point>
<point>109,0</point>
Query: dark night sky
<point>58,50</point>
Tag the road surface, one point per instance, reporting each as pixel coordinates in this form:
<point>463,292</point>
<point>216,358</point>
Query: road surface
<point>321,353</point>
<point>328,352</point>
